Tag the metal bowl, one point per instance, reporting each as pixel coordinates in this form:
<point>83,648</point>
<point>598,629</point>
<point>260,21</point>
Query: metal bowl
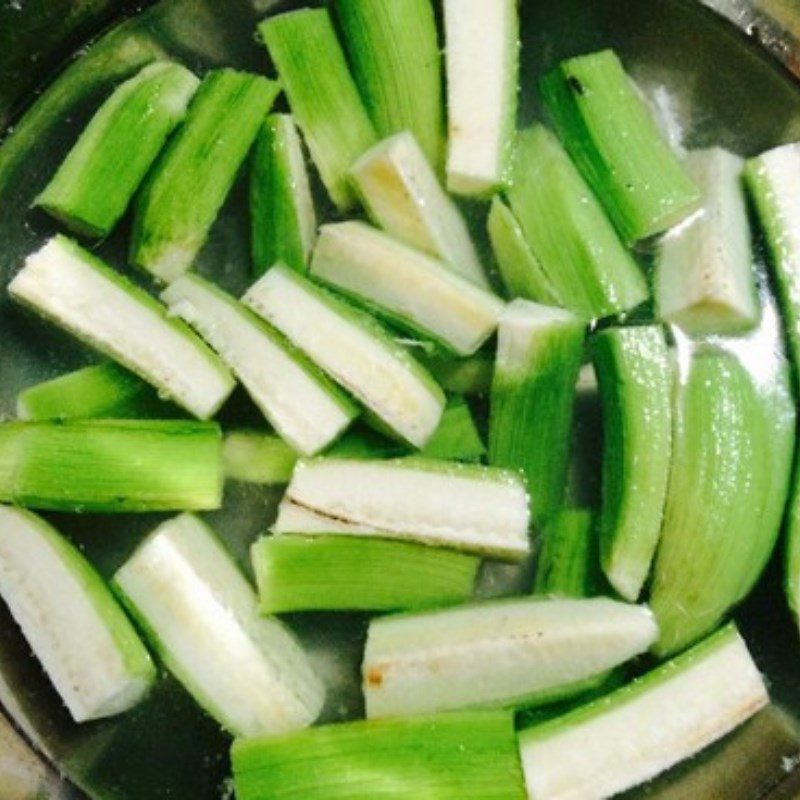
<point>720,74</point>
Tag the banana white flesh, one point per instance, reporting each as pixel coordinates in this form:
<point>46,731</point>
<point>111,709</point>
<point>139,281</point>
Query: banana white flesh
<point>468,507</point>
<point>304,406</point>
<point>69,286</point>
<point>705,280</point>
<point>247,671</point>
<point>482,59</point>
<point>402,195</point>
<point>419,293</point>
<point>505,652</point>
<point>641,730</point>
<point>82,638</point>
<point>351,347</point>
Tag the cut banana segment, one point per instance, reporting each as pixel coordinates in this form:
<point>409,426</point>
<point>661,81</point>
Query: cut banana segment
<point>402,195</point>
<point>305,407</point>
<point>93,186</point>
<point>84,641</point>
<point>539,351</point>
<point>635,375</point>
<point>354,350</point>
<point>641,730</point>
<point>471,754</point>
<point>467,507</point>
<point>71,287</point>
<point>705,280</point>
<point>507,652</point>
<point>773,180</point>
<point>482,58</point>
<point>202,617</point>
<point>283,222</point>
<point>416,292</point>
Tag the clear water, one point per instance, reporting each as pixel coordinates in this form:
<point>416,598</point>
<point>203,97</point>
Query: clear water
<point>710,84</point>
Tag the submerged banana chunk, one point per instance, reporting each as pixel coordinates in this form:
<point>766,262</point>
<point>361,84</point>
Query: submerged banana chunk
<point>508,652</point>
